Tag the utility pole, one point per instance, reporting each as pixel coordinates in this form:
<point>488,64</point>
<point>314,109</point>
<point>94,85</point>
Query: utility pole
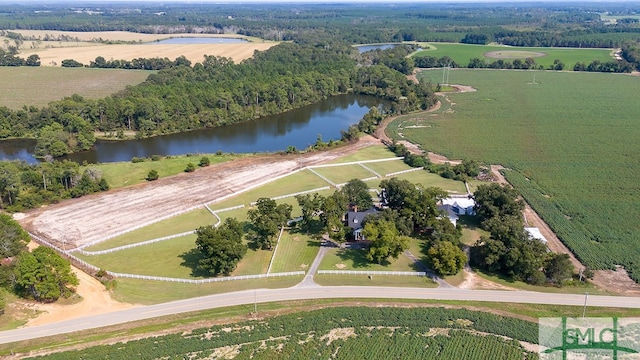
<point>584,309</point>
<point>255,302</point>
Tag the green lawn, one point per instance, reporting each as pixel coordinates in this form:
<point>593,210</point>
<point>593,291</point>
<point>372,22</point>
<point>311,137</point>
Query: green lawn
<point>387,167</point>
<point>177,258</point>
<point>344,173</point>
<point>375,280</point>
<point>352,259</point>
<point>427,179</point>
<point>296,251</point>
<point>471,230</point>
<point>300,181</point>
<point>170,258</point>
<point>462,53</point>
<point>37,86</point>
<point>154,292</point>
<point>569,140</point>
<point>372,152</point>
<point>174,225</point>
<point>121,174</point>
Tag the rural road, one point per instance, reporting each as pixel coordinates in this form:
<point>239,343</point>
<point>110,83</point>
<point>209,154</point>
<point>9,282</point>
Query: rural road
<point>306,293</point>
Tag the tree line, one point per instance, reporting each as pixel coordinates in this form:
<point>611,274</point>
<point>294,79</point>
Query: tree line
<point>509,250</point>
<point>41,274</point>
<point>25,186</point>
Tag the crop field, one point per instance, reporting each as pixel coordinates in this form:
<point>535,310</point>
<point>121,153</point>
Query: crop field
<point>38,86</point>
<point>462,53</point>
<point>351,332</point>
<point>570,139</point>
<point>84,47</point>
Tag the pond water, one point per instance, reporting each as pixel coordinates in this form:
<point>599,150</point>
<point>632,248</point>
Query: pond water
<point>299,128</point>
<point>365,48</point>
<point>199,40</point>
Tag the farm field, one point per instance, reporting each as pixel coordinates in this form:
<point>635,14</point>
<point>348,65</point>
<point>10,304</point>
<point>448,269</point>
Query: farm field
<point>462,53</point>
<point>354,332</point>
<point>83,46</point>
<point>38,86</point>
<point>570,140</point>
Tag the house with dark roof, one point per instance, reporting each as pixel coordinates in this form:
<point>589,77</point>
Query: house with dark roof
<point>354,221</point>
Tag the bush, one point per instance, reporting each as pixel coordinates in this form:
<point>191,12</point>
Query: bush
<point>156,157</point>
<point>152,175</point>
<point>190,168</point>
<point>136,159</point>
<point>204,161</point>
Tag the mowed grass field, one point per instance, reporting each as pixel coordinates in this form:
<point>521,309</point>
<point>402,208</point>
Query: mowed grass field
<point>462,53</point>
<point>38,86</point>
<point>572,141</point>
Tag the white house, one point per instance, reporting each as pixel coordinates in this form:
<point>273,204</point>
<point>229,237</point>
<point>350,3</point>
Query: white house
<point>454,207</point>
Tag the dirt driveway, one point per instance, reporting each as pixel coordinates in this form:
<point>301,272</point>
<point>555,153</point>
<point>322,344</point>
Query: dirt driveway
<point>76,222</point>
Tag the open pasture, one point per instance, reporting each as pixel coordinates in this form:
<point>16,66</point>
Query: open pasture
<point>296,251</point>
<point>177,258</point>
<point>38,86</point>
<point>571,137</point>
<point>462,53</point>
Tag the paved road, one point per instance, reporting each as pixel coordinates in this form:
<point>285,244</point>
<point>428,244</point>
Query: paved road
<point>305,293</point>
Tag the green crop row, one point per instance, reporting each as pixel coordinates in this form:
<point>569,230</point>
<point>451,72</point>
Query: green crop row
<point>349,332</point>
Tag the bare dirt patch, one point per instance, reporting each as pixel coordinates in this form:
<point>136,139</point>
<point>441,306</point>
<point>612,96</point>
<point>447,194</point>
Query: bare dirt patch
<point>474,282</point>
<point>95,300</point>
<point>617,281</point>
<point>91,218</point>
<point>513,54</point>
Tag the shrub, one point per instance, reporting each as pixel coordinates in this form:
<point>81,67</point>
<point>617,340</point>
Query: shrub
<point>190,168</point>
<point>204,161</point>
<point>152,175</point>
<point>156,157</point>
<point>136,159</point>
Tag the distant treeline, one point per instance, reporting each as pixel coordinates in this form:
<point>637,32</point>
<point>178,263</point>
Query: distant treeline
<point>216,92</point>
<point>617,66</point>
<point>135,64</point>
<point>528,24</point>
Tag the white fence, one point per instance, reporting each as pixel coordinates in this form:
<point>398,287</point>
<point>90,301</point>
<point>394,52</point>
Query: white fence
<point>124,247</point>
<point>322,177</point>
<point>365,272</point>
<point>370,170</point>
<point>355,162</point>
<point>208,280</point>
<point>404,171</point>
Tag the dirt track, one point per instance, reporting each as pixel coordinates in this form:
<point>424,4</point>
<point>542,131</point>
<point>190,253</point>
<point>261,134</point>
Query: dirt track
<point>80,221</point>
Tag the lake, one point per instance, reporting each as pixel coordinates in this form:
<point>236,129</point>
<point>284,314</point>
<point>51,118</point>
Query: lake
<point>199,40</point>
<point>298,127</point>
